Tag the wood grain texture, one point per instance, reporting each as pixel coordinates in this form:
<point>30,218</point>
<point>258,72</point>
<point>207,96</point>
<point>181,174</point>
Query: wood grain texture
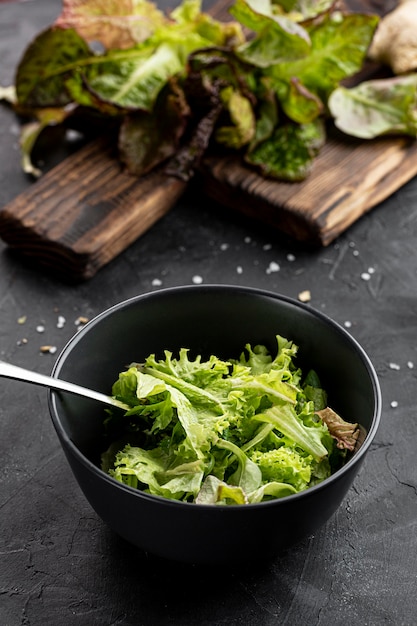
<point>84,212</point>
<point>348,179</point>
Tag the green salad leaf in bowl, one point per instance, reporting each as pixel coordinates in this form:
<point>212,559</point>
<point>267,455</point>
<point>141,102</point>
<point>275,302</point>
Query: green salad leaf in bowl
<point>230,432</point>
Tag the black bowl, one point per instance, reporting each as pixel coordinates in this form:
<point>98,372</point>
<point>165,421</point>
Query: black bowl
<point>208,320</point>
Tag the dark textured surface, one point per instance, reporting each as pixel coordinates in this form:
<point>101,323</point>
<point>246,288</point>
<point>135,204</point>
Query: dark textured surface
<point>60,565</point>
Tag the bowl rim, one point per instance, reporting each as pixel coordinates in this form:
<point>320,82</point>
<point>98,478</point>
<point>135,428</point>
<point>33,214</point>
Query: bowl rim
<point>160,293</point>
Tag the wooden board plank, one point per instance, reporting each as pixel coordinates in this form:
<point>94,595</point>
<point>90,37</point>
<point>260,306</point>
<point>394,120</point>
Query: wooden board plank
<point>348,179</point>
<point>87,210</point>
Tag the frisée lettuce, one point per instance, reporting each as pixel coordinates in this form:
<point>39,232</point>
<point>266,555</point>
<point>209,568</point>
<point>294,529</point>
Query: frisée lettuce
<point>211,431</point>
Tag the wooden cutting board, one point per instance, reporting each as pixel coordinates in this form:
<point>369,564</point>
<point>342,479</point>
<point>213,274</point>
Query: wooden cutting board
<point>87,210</point>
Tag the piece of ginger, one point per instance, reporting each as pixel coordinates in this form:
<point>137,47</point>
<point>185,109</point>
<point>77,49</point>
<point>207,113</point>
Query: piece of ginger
<point>395,40</point>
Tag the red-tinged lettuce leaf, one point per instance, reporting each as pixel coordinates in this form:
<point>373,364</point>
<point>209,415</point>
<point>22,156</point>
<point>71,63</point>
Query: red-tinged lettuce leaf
<point>339,46</point>
<point>290,151</point>
<point>148,139</point>
<point>345,433</point>
<point>220,65</point>
<point>377,107</point>
<point>60,66</point>
<point>116,24</point>
<point>278,38</point>
<point>132,79</point>
<point>185,162</point>
<point>45,65</point>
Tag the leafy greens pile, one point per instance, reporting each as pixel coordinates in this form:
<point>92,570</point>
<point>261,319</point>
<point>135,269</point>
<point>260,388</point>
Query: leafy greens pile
<point>224,432</point>
<point>263,85</point>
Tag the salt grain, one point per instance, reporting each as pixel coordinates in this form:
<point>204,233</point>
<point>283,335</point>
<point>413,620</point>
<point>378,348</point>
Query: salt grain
<point>156,282</point>
<point>365,276</point>
<point>197,280</point>
<point>61,321</point>
<point>272,267</point>
<point>410,365</point>
<point>347,324</point>
<point>394,404</point>
<point>40,328</point>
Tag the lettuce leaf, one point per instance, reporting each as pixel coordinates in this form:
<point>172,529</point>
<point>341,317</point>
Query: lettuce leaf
<point>174,84</point>
<point>60,66</point>
<point>148,138</point>
<point>221,432</point>
<point>339,44</point>
<point>278,38</point>
<point>290,152</point>
<point>42,72</point>
<point>118,25</point>
<point>377,107</point>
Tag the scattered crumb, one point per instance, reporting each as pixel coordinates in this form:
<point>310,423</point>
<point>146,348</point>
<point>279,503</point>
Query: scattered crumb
<point>48,349</point>
<point>239,269</point>
<point>224,246</point>
<point>355,252</point>
<point>157,282</point>
<point>290,257</point>
<point>22,319</point>
<point>22,342</point>
<point>366,276</point>
<point>197,280</point>
<point>304,296</point>
<point>247,239</point>
<point>410,365</point>
<point>267,246</point>
<point>347,324</point>
<point>394,404</point>
<point>81,320</point>
<point>40,328</point>
<point>371,270</point>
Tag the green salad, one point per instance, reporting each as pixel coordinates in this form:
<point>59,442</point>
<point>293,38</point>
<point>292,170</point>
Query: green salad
<point>221,432</point>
